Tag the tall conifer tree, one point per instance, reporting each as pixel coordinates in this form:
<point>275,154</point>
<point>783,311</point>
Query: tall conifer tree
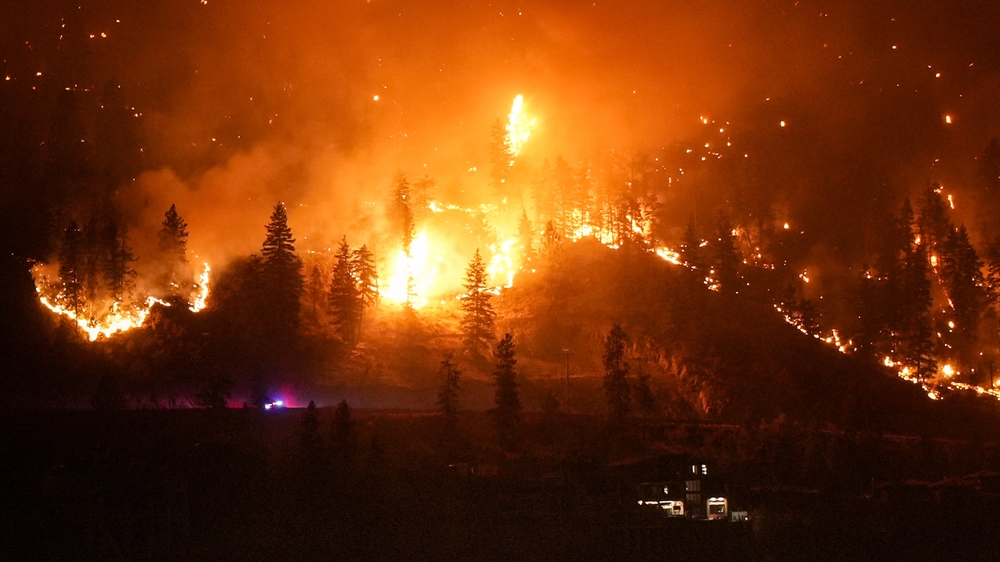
<point>282,275</point>
<point>477,323</point>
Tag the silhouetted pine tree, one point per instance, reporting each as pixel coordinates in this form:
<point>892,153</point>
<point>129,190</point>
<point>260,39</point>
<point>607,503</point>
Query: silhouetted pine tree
<point>173,236</point>
<point>309,437</point>
<point>992,278</point>
<point>617,392</point>
<point>96,254</point>
<point>962,276</point>
<point>71,268</point>
<point>119,277</point>
<point>917,345</point>
<point>871,323</point>
<point>564,182</point>
<point>933,222</point>
<point>364,270</point>
<point>282,277</point>
<point>477,322</point>
<point>725,257</point>
<point>343,442</point>
<point>172,243</point>
<point>508,402</point>
<point>448,395</point>
<point>403,211</point>
<point>691,253</point>
<point>644,397</point>
<point>988,172</point>
<point>315,292</point>
<point>345,300</point>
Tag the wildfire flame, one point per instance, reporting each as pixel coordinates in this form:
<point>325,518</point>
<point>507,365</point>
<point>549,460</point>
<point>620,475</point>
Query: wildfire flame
<point>198,304</point>
<point>518,128</point>
<point>120,318</point>
<point>110,324</point>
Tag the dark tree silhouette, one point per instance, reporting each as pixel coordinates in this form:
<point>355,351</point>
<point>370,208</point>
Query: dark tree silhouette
<point>992,278</point>
<point>448,395</point>
<point>644,397</point>
<point>916,329</point>
<point>477,322</point>
<point>173,236</point>
<point>282,276</point>
<point>309,437</point>
<point>342,435</point>
<point>726,258</point>
<point>691,252</point>
<point>345,299</point>
<point>71,268</point>
<point>316,292</point>
<point>366,274</point>
<point>119,277</point>
<point>172,242</point>
<point>507,413</point>
<point>933,222</point>
<point>962,276</point>
<point>402,210</point>
<point>616,388</point>
<point>97,253</point>
<point>988,172</point>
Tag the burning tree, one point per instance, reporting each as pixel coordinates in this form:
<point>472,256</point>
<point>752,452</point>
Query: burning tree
<point>962,276</point>
<point>71,268</point>
<point>403,211</point>
<point>477,324</point>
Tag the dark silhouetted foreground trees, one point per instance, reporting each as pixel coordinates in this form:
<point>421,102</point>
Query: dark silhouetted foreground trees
<point>507,413</point>
<point>345,299</point>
